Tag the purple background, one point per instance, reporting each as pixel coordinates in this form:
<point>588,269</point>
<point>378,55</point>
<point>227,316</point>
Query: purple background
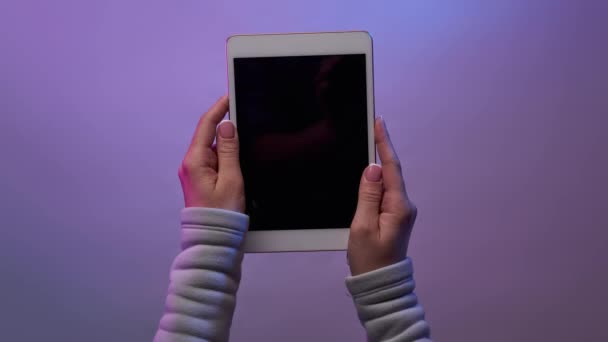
<point>498,111</point>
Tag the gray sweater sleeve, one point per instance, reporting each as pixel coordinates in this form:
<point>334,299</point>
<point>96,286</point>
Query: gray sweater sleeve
<point>204,277</point>
<point>387,306</point>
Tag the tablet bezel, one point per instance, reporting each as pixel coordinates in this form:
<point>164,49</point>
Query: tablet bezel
<point>302,44</point>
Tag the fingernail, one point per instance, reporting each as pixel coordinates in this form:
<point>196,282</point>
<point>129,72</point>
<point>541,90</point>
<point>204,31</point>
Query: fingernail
<point>373,173</point>
<point>226,129</point>
<point>383,122</point>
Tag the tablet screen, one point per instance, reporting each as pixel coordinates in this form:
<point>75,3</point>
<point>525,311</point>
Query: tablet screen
<point>302,124</point>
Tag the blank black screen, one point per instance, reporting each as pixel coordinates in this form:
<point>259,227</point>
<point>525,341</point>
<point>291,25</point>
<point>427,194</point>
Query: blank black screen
<point>302,125</point>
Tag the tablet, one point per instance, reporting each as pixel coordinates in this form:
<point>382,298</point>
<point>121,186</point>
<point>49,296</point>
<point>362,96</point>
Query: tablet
<point>303,106</point>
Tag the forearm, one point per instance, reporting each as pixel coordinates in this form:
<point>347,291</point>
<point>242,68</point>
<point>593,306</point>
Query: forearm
<point>387,306</point>
<point>204,277</point>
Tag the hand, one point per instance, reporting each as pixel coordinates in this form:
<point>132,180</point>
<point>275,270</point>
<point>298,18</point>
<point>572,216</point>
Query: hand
<point>381,228</point>
<point>211,175</point>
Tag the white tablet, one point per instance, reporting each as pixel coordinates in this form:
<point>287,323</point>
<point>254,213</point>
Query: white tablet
<point>303,105</point>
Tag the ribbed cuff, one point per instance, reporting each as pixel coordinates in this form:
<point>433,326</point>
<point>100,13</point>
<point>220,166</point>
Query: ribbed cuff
<point>380,279</point>
<point>213,227</point>
<point>215,218</point>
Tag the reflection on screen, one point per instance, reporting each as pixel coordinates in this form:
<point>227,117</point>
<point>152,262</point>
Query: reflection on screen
<point>302,124</point>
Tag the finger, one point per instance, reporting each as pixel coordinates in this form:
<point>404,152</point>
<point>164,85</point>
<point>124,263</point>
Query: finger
<point>205,129</point>
<point>228,151</point>
<point>370,198</point>
<point>391,166</point>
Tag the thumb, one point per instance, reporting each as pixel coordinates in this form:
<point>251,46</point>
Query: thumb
<point>370,196</point>
<point>228,150</point>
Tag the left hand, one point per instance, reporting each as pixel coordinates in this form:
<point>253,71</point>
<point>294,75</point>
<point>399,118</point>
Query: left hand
<point>210,174</point>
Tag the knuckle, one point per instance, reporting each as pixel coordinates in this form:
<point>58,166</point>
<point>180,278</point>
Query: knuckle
<point>397,164</point>
<point>401,215</point>
<point>228,147</point>
<point>370,194</point>
<point>187,166</point>
<point>205,119</point>
<point>361,228</point>
<point>359,232</point>
<point>356,228</point>
<point>413,211</point>
<point>232,183</point>
<point>408,213</point>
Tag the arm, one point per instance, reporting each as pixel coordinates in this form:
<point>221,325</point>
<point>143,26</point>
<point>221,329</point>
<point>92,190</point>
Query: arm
<point>204,277</point>
<point>387,306</point>
<point>382,283</point>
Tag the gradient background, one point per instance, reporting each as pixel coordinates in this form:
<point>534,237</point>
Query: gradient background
<point>498,111</point>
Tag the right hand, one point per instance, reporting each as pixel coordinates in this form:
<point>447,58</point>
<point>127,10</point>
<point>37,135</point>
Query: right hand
<point>211,174</point>
<point>383,222</point>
